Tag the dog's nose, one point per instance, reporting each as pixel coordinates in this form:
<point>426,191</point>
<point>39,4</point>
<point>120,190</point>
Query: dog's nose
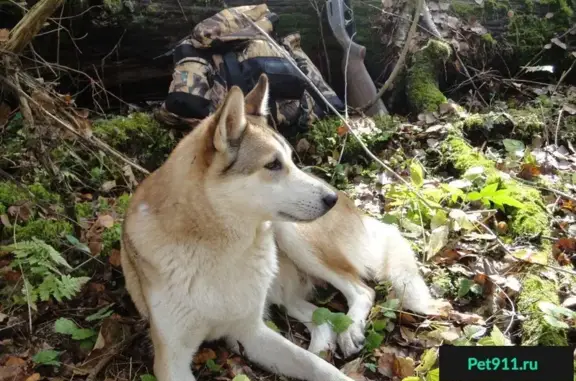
<point>330,200</point>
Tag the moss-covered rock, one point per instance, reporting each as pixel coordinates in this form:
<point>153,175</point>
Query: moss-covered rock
<point>422,77</point>
<point>535,330</point>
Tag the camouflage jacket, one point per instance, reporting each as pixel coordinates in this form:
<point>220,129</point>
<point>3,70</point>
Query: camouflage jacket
<point>226,50</point>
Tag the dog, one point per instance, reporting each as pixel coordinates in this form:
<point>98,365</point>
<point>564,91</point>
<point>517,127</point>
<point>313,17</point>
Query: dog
<point>228,225</point>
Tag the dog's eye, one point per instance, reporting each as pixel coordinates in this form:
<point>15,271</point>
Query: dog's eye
<point>275,165</point>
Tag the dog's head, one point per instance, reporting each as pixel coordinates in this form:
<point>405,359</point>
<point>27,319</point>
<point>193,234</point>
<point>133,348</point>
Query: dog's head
<point>250,171</point>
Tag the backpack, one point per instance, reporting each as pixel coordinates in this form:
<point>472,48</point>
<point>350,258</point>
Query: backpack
<point>226,50</point>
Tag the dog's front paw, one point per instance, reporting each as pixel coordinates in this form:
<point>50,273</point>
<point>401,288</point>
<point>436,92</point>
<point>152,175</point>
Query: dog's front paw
<point>352,340</point>
<point>322,339</point>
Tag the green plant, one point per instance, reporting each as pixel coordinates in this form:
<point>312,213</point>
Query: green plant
<point>47,357</point>
<point>40,265</point>
<point>499,197</point>
<point>86,336</point>
<point>378,328</point>
<point>337,320</point>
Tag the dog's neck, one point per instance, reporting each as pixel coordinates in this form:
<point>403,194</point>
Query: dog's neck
<point>186,212</point>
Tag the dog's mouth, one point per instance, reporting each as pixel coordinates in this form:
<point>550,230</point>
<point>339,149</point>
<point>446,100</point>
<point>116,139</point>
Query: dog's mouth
<point>291,217</point>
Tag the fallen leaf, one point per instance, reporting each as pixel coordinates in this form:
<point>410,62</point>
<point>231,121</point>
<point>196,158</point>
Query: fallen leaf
<point>12,276</point>
<point>34,377</point>
<point>15,361</point>
<point>108,186</point>
<point>302,146</point>
<point>342,130</point>
<point>558,43</point>
<point>354,369</point>
<point>4,34</point>
<point>106,220</point>
<point>21,212</point>
<point>115,258</point>
<point>466,318</point>
<point>569,108</point>
<point>438,239</point>
<point>204,355</point>
<point>403,367</point>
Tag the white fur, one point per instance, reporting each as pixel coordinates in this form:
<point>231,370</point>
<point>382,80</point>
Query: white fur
<point>381,253</point>
<point>200,255</point>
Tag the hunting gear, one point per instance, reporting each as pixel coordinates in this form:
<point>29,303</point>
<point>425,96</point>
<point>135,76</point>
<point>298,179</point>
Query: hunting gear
<point>226,50</point>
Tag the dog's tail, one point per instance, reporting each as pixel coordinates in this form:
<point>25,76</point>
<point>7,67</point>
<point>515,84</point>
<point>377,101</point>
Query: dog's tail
<point>393,259</point>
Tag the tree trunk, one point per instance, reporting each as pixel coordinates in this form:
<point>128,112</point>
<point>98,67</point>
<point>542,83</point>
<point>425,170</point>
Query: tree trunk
<point>121,42</point>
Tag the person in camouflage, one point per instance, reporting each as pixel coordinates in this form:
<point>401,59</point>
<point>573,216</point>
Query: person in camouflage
<point>226,50</point>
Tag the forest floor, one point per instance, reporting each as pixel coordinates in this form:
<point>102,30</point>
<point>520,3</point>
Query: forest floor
<point>488,202</point>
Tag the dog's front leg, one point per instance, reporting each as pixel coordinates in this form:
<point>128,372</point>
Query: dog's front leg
<point>174,347</point>
<point>277,354</point>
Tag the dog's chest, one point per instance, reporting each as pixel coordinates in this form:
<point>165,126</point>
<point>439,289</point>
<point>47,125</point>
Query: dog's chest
<point>231,285</point>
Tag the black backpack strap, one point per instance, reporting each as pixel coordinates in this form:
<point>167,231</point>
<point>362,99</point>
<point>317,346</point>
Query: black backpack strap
<point>233,71</point>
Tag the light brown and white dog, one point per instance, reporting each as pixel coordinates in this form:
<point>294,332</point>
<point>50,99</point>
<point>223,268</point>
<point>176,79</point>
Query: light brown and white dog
<point>228,224</point>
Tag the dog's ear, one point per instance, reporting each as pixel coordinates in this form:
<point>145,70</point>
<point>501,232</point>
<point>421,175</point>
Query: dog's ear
<point>257,99</point>
<point>230,120</point>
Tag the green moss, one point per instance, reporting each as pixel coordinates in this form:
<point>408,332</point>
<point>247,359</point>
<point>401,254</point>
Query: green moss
<point>111,238</point>
<point>50,231</point>
<point>529,221</point>
<point>325,138</point>
<point>535,330</point>
<point>84,209</point>
<point>487,37</point>
<point>422,83</point>
<point>114,6</point>
<point>138,135</point>
<point>122,203</point>
<point>10,193</point>
<point>532,219</point>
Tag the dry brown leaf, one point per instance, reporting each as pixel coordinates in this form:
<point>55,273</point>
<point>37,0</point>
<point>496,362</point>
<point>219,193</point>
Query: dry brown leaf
<point>106,220</point>
<point>403,367</point>
<point>95,247</point>
<point>34,377</point>
<point>386,363</point>
<point>15,361</point>
<point>115,258</point>
<point>466,318</point>
<point>302,146</point>
<point>354,369</point>
<point>11,373</point>
<point>4,34</point>
<point>5,111</point>
<point>22,212</point>
<point>12,276</point>
<point>204,355</point>
<point>528,171</point>
<point>342,130</point>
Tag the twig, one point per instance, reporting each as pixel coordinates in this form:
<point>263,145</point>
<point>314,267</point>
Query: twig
<point>400,63</point>
<point>92,139</point>
<point>344,121</point>
<point>109,355</point>
<point>564,74</point>
<point>503,246</point>
<point>556,191</point>
<point>558,124</point>
<point>31,24</point>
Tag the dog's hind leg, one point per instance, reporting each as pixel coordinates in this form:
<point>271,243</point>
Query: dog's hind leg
<point>277,354</point>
